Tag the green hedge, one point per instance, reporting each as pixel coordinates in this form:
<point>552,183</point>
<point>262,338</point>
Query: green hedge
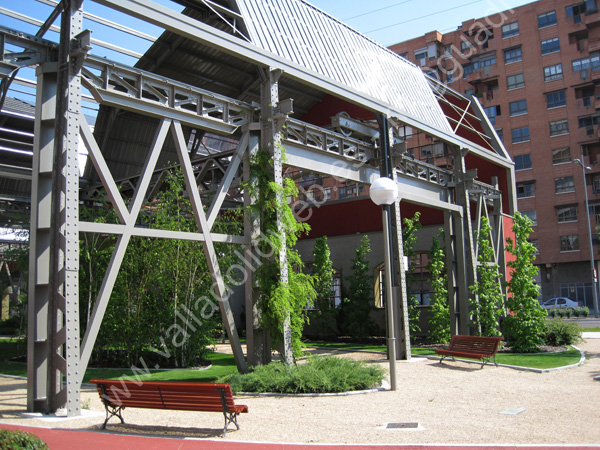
<point>319,375</point>
<point>19,440</point>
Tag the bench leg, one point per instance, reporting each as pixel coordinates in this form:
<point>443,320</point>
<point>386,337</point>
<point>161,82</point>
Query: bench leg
<point>230,418</point>
<point>113,411</point>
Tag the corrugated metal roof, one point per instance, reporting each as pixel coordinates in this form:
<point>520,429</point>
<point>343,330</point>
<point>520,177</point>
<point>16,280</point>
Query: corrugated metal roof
<point>302,33</point>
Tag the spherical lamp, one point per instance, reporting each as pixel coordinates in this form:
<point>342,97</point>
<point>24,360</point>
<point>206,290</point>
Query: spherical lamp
<point>384,191</point>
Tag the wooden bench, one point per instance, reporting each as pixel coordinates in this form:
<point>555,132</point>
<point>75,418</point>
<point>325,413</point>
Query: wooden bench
<point>208,397</point>
<point>476,347</point>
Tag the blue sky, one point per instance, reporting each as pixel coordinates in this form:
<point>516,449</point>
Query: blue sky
<point>400,20</point>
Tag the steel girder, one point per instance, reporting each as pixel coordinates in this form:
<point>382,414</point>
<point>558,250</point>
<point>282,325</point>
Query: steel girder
<point>55,347</point>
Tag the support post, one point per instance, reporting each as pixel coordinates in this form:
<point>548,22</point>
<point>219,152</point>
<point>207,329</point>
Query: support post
<point>271,140</point>
<point>258,343</point>
<point>465,235</point>
<point>53,342</point>
<point>395,246</point>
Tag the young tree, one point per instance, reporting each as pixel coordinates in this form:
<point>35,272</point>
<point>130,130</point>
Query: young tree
<point>322,272</point>
<point>409,239</point>
<point>487,311</point>
<point>439,323</point>
<point>524,325</point>
<point>357,306</point>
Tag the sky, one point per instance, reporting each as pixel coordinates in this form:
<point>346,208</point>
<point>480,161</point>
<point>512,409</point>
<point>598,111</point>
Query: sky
<point>391,21</point>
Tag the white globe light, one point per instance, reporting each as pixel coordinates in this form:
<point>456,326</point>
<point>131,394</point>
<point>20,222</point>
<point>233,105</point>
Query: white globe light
<point>384,191</point>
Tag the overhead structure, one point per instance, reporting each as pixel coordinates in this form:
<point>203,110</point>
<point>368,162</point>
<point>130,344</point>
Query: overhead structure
<point>214,87</point>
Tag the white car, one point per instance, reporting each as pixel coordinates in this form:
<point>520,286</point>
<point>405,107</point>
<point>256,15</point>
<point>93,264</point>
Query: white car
<point>560,302</point>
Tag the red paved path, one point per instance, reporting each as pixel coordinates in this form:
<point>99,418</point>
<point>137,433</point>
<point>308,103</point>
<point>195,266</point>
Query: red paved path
<point>60,439</point>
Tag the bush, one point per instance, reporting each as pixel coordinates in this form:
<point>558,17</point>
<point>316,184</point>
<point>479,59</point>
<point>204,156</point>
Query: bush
<point>319,375</point>
<point>19,440</point>
<point>583,311</point>
<point>551,313</point>
<point>559,332</point>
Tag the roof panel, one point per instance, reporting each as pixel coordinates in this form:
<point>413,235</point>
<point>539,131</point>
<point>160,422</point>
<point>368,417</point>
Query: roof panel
<point>302,33</point>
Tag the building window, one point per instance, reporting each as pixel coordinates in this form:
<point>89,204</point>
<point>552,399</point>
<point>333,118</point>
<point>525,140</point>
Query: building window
<point>575,11</point>
<point>531,215</point>
<point>550,46</point>
<point>556,99</point>
<point>465,46</point>
<point>526,189</point>
<point>569,243</point>
<point>421,56</point>
<point>512,55</point>
<point>523,162</point>
<point>469,92</point>
<point>520,135</point>
<point>510,29</point>
<point>554,72</point>
<point>536,244</point>
<point>563,185</point>
<point>500,134</point>
<point>561,155</point>
<point>447,51</point>
<point>517,108</point>
<point>588,122</point>
<point>559,127</point>
<point>584,64</point>
<point>566,213</point>
<point>515,81</point>
<point>491,112</point>
<point>547,19</point>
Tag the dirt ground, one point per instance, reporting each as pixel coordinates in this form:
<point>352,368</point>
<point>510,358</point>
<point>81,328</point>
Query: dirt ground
<point>449,403</point>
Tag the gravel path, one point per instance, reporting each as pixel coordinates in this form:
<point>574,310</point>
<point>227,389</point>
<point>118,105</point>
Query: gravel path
<point>452,403</point>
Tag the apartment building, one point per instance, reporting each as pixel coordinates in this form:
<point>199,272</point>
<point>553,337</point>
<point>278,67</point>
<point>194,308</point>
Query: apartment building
<point>535,70</point>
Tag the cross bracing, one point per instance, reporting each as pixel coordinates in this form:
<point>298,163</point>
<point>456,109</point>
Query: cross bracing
<point>218,69</point>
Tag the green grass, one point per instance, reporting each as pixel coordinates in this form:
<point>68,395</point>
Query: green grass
<point>536,361</point>
<point>221,365</point>
<point>533,360</point>
<point>592,329</point>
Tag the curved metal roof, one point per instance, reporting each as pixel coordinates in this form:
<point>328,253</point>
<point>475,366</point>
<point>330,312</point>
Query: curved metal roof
<point>300,32</point>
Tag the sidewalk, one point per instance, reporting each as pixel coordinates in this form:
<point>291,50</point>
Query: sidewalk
<point>76,440</point>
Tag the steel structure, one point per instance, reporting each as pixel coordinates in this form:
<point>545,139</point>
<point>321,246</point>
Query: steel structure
<point>238,61</point>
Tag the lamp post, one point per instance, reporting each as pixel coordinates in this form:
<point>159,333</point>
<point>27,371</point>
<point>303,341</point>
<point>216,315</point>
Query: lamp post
<point>384,192</point>
<point>587,212</point>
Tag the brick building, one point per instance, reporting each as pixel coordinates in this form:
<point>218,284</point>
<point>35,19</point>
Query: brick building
<point>535,70</point>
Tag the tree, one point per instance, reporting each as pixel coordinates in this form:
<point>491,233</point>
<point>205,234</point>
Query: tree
<point>409,239</point>
<point>357,306</point>
<point>279,301</point>
<point>488,304</point>
<point>524,325</point>
<point>439,323</point>
<point>322,272</point>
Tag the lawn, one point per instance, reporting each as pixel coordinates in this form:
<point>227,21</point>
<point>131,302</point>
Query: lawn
<point>535,360</point>
<point>221,364</point>
<point>224,364</point>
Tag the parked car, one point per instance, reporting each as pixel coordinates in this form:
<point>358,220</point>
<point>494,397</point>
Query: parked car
<point>561,302</point>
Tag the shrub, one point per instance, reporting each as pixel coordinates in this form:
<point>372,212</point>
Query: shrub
<point>319,375</point>
<point>576,312</point>
<point>568,313</point>
<point>19,440</point>
<point>551,313</point>
<point>583,311</point>
<point>559,332</point>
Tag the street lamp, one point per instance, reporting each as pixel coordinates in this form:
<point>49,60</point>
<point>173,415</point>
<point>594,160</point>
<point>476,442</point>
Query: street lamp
<point>384,192</point>
<point>587,213</point>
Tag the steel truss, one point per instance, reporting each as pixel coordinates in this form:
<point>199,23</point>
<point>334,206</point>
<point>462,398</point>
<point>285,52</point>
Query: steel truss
<point>57,359</point>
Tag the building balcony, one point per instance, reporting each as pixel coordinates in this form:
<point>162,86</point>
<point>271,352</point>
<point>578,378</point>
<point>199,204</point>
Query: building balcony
<point>592,21</point>
<point>481,76</point>
<point>593,45</point>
